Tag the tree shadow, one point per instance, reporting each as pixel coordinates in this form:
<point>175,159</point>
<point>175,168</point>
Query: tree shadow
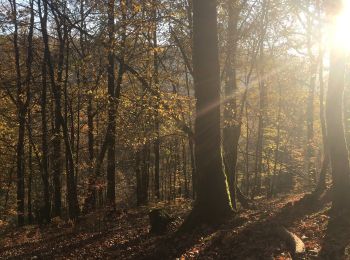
<point>61,240</point>
<point>239,238</point>
<point>259,240</point>
<point>336,244</point>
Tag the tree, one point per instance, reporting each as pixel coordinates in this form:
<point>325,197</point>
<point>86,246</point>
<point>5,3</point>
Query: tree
<point>338,152</point>
<point>212,202</point>
<point>111,132</point>
<point>22,108</point>
<point>321,185</point>
<point>73,204</point>
<point>231,131</point>
<point>156,85</point>
<point>262,99</point>
<point>44,138</point>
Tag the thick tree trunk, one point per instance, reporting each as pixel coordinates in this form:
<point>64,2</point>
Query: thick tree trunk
<point>338,152</point>
<point>213,202</point>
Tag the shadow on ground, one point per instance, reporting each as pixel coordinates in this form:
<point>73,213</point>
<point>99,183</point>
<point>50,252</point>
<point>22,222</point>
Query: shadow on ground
<point>336,243</point>
<point>239,238</point>
<point>249,235</point>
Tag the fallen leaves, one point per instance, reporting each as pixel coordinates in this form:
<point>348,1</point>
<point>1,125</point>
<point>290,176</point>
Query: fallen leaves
<point>125,236</point>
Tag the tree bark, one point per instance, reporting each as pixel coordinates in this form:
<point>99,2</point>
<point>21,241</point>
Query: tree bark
<point>213,202</point>
<point>338,152</point>
<point>232,126</point>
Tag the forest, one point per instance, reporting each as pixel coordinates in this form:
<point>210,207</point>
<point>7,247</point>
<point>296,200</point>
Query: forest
<point>174,129</point>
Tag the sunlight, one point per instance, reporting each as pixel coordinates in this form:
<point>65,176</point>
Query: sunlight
<point>340,29</point>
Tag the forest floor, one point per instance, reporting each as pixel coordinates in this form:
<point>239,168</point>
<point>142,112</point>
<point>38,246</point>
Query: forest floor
<point>249,235</point>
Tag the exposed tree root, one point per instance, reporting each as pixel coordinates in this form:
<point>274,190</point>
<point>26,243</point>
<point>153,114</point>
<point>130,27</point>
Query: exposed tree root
<point>294,243</point>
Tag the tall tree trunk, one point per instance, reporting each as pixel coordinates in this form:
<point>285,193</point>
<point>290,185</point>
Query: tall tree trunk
<point>232,127</point>
<point>21,121</point>
<point>259,143</point>
<point>90,132</point>
<point>271,192</point>
<point>90,201</point>
<point>262,102</point>
<point>62,33</point>
<point>29,62</point>
<point>73,205</point>
<point>190,137</point>
<point>321,185</point>
<point>338,152</point>
<point>44,137</point>
<point>156,84</point>
<point>184,169</point>
<point>30,181</point>
<point>144,174</point>
<point>114,94</point>
<point>111,108</point>
<point>310,104</point>
<point>247,179</point>
<point>138,177</point>
<point>91,204</point>
<point>213,202</point>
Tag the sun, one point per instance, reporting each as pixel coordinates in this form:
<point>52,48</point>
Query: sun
<point>340,29</point>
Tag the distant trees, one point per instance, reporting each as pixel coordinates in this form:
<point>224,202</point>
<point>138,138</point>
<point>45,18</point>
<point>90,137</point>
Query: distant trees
<point>98,104</point>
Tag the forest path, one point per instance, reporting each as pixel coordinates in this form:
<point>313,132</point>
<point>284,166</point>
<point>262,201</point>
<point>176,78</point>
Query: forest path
<point>249,235</point>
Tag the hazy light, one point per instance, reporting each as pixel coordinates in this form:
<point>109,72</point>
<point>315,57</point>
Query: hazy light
<point>340,30</point>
